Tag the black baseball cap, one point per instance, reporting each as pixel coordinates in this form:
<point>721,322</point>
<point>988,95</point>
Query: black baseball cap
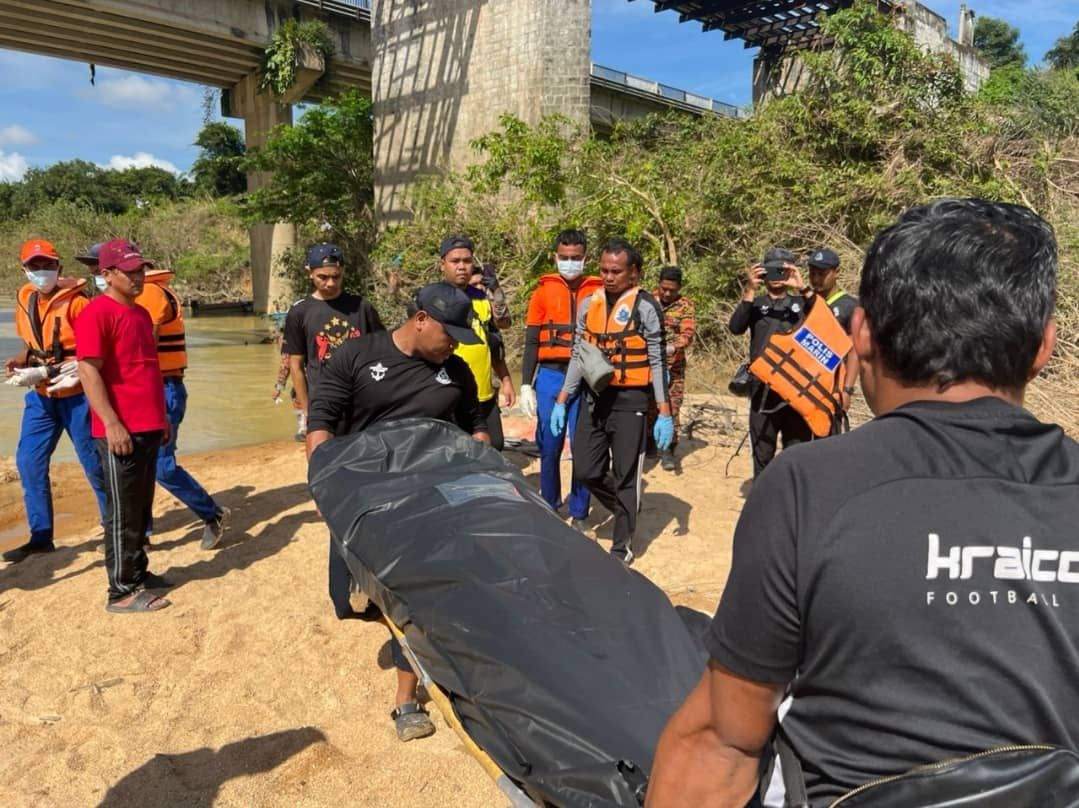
<point>823,258</point>
<point>455,243</point>
<point>324,254</point>
<point>777,257</point>
<point>90,257</point>
<point>450,306</point>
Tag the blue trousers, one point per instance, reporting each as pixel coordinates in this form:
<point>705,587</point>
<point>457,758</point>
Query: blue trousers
<point>171,475</point>
<point>548,385</point>
<point>43,421</point>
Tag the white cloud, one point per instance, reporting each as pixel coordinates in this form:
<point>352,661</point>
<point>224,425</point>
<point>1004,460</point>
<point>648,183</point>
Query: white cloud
<point>12,166</point>
<point>118,162</point>
<point>132,92</point>
<point>16,135</point>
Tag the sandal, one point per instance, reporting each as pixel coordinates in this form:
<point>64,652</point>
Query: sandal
<point>411,721</point>
<point>142,601</point>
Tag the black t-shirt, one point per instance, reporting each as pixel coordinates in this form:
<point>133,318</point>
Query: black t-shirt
<point>843,307</point>
<point>764,317</point>
<point>316,328</point>
<point>917,580</point>
<point>369,380</point>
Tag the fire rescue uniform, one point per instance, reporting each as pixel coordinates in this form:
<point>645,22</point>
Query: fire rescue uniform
<point>46,324</point>
<point>552,312</point>
<point>166,313</point>
<point>480,359</point>
<point>611,426</point>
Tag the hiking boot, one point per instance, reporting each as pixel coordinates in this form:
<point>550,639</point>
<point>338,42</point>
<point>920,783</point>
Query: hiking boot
<point>214,530</point>
<point>411,722</point>
<point>666,460</point>
<point>27,550</point>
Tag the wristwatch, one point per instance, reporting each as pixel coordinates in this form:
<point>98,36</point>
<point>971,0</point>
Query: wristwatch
<point>849,391</point>
<point>805,290</point>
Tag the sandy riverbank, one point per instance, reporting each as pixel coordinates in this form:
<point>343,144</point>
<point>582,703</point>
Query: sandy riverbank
<point>247,692</point>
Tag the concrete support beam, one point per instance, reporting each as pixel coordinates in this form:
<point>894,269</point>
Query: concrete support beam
<point>444,71</point>
<point>269,242</point>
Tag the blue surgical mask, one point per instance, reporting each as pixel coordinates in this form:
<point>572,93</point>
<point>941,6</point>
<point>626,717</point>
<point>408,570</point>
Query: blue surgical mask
<point>569,269</point>
<point>100,283</point>
<point>44,280</point>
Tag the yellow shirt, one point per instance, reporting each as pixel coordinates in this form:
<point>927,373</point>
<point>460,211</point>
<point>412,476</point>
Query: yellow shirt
<point>478,357</point>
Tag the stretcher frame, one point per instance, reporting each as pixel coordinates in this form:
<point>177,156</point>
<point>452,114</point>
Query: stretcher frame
<point>517,798</point>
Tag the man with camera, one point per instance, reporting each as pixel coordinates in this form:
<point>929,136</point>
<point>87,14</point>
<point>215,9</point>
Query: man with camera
<point>779,310</point>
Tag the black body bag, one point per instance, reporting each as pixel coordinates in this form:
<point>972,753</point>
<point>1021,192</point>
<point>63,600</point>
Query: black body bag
<point>1019,776</point>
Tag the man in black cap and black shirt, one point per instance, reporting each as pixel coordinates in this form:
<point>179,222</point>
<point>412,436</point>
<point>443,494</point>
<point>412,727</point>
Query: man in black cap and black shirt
<point>320,323</point>
<point>774,312</point>
<point>823,266</point>
<point>913,584</point>
<point>411,372</point>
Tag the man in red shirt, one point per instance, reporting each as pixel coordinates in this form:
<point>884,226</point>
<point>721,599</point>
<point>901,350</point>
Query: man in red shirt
<point>118,368</point>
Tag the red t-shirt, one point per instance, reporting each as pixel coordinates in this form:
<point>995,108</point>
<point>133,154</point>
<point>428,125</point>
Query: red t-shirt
<point>122,337</point>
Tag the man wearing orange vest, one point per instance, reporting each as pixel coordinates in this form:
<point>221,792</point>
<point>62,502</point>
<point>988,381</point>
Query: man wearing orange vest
<point>552,313</point>
<point>166,314</point>
<point>48,306</point>
<point>626,324</point>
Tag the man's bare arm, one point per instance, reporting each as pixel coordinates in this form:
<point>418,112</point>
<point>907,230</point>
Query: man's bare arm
<point>94,386</point>
<point>709,753</point>
<point>296,370</point>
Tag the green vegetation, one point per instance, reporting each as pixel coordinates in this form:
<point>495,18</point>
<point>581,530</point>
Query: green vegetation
<point>218,170</point>
<point>282,56</point>
<point>998,42</point>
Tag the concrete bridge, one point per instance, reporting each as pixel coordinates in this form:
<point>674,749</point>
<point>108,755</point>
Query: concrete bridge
<point>441,73</point>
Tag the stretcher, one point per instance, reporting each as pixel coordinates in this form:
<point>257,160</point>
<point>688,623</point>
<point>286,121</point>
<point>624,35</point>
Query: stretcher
<point>557,665</point>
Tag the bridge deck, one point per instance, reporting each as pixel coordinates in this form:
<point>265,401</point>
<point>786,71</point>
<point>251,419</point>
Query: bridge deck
<point>760,23</point>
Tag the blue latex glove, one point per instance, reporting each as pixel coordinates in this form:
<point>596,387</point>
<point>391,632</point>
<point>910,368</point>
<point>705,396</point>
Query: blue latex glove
<point>663,432</point>
<point>558,419</point>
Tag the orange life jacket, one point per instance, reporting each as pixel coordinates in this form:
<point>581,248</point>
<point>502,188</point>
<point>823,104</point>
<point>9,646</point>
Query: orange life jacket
<point>558,305</point>
<point>617,334</point>
<point>47,327</point>
<point>803,368</point>
<point>171,337</point>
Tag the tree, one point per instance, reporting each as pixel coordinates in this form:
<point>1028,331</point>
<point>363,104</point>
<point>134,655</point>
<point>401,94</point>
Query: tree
<point>998,42</point>
<point>1065,53</point>
<point>322,175</point>
<point>218,170</point>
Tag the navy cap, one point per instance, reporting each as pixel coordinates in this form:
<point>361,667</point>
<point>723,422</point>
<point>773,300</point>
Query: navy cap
<point>90,258</point>
<point>451,307</point>
<point>777,257</point>
<point>823,258</point>
<point>454,243</point>
<point>324,254</point>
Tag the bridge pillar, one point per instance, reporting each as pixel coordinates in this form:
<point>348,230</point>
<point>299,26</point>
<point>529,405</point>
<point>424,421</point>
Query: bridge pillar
<point>444,71</point>
<point>261,113</point>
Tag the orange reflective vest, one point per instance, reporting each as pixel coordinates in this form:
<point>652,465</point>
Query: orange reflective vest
<point>803,368</point>
<point>171,337</point>
<point>617,334</point>
<point>553,308</point>
<point>47,326</point>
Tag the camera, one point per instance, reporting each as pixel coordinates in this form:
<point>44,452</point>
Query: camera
<point>776,273</point>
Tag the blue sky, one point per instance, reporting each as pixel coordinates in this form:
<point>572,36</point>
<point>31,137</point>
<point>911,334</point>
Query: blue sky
<point>49,111</point>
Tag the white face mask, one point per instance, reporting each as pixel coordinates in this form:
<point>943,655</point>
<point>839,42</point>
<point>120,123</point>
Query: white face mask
<point>569,269</point>
<point>100,283</point>
<point>44,280</point>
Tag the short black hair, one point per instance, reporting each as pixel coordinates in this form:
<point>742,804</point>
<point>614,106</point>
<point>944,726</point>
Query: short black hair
<point>961,290</point>
<point>570,238</point>
<point>617,246</point>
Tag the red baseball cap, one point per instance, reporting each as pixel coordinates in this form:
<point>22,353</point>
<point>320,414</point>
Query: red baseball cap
<point>37,248</point>
<point>121,254</point>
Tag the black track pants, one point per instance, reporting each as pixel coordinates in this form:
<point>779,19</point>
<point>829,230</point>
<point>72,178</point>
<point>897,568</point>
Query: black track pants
<point>766,427</point>
<point>608,451</point>
<point>129,498</point>
<point>492,414</point>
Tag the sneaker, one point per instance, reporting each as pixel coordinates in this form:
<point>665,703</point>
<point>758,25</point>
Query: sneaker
<point>411,722</point>
<point>214,530</point>
<point>626,557</point>
<point>578,524</point>
<point>25,551</point>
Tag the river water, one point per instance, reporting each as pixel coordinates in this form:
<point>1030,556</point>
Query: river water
<point>230,380</point>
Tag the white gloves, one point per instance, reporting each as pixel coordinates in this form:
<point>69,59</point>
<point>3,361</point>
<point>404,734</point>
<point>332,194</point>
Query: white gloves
<point>527,400</point>
<point>28,377</point>
<point>67,378</point>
